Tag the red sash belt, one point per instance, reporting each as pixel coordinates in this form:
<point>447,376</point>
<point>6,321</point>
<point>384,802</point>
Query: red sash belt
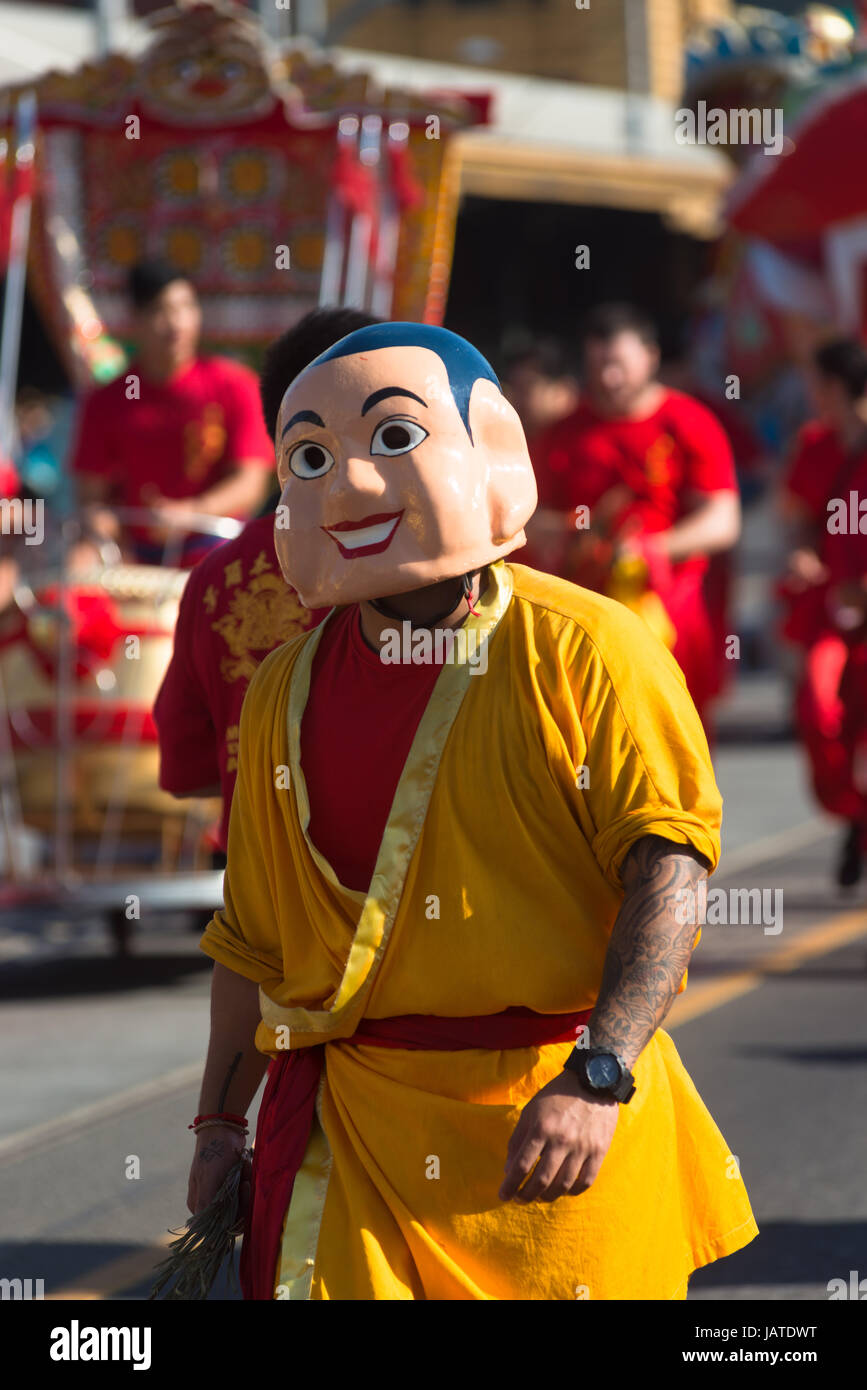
<point>288,1107</point>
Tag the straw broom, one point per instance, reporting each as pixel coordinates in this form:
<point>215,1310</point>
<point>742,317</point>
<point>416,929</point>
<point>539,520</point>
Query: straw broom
<point>207,1240</point>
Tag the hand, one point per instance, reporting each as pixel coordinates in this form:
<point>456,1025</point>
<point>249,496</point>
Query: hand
<point>217,1150</point>
<point>804,569</point>
<point>102,523</point>
<point>849,604</point>
<point>179,513</point>
<point>608,508</point>
<point>637,545</point>
<point>85,556</point>
<point>569,1132</point>
<point>8,580</point>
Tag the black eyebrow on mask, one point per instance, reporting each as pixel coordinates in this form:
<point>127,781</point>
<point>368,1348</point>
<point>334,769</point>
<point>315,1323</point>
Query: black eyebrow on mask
<point>386,391</point>
<point>306,417</point>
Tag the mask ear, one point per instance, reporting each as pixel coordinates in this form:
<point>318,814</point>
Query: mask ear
<point>499,436</point>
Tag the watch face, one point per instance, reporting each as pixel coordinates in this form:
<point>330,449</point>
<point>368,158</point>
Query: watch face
<point>603,1071</point>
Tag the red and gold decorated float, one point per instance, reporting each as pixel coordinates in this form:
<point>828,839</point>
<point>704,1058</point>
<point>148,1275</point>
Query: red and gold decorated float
<point>276,182</point>
<point>261,174</point>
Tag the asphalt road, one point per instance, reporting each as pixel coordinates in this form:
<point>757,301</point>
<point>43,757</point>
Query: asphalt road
<point>773,1029</point>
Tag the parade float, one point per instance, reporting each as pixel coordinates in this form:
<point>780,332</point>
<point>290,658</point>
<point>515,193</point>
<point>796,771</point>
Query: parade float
<point>788,271</point>
<point>276,182</point>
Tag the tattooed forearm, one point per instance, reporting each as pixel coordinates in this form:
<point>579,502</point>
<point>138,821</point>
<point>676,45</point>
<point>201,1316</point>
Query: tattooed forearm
<point>649,948</point>
<point>228,1081</point>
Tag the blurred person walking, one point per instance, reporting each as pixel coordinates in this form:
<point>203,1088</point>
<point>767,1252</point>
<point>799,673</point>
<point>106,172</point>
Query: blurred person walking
<point>639,478</point>
<point>822,585</point>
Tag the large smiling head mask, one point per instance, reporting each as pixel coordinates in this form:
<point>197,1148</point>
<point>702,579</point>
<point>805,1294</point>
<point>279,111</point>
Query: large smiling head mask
<point>401,464</point>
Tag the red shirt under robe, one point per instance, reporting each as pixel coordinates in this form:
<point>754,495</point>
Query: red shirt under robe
<point>356,731</point>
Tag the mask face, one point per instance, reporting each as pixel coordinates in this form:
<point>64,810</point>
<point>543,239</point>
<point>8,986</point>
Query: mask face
<point>386,488</point>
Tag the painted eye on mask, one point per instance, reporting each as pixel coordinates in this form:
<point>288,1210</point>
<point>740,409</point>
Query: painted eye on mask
<point>309,460</point>
<point>396,436</point>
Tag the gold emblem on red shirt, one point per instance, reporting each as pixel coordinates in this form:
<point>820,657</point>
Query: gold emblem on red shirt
<point>260,617</point>
<point>659,460</point>
<point>233,734</point>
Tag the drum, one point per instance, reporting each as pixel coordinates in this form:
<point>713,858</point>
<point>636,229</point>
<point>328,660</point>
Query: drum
<point>79,708</point>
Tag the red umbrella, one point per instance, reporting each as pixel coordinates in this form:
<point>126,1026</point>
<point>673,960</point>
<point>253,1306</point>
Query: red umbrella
<point>819,178</point>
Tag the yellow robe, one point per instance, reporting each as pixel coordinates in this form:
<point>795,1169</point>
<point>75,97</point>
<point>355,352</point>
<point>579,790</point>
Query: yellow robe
<point>496,885</point>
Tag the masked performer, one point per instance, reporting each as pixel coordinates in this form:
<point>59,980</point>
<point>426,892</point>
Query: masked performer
<point>459,885</point>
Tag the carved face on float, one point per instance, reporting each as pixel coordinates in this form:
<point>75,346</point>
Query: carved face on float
<point>401,464</point>
<point>207,67</point>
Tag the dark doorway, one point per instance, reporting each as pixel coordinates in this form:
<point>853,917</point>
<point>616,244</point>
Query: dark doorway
<point>514,268</point>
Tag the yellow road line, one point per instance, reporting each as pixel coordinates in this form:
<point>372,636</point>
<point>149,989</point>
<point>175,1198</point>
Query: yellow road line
<point>26,1141</point>
<point>815,941</point>
<point>112,1278</point>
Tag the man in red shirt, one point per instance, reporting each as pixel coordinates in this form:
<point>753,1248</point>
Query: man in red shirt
<point>176,433</point>
<point>638,470</point>
<point>822,582</point>
<point>235,609</point>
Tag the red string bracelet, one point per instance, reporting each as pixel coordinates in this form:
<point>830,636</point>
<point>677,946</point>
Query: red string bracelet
<point>223,1115</point>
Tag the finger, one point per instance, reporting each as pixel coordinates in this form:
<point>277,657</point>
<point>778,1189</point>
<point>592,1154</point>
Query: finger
<point>588,1174</point>
<point>520,1165</point>
<point>544,1173</point>
<point>562,1182</point>
<point>592,1168</point>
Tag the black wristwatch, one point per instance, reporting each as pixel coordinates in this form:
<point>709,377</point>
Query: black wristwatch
<point>603,1073</point>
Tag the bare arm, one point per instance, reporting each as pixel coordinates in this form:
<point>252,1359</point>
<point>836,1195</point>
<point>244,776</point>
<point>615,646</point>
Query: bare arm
<point>241,493</point>
<point>564,1133</point>
<point>233,1072</point>
<point>235,1017</point>
<point>714,525</point>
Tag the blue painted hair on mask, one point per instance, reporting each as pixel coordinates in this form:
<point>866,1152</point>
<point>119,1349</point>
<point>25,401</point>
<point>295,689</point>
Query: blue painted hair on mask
<point>464,364</point>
